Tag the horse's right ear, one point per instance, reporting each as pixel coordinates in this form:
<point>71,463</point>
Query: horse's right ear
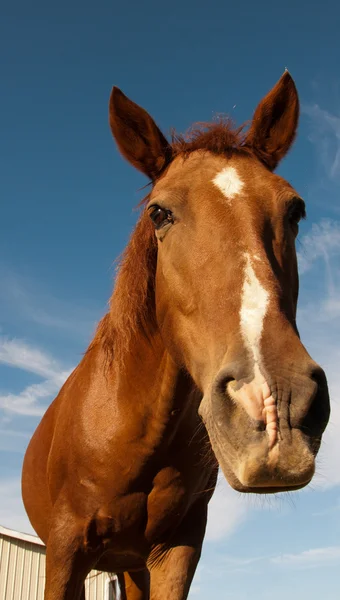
<point>137,135</point>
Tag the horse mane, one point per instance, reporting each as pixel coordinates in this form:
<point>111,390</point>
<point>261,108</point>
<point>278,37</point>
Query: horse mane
<point>132,304</point>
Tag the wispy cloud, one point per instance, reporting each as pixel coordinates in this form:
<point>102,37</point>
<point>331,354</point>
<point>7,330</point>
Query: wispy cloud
<point>319,258</point>
<point>328,472</point>
<point>29,401</point>
<point>235,561</point>
<point>194,590</point>
<point>322,242</point>
<point>316,557</point>
<point>325,133</point>
<point>319,324</point>
<point>226,565</point>
<point>18,354</point>
<point>27,299</point>
<point>226,512</point>
<point>12,511</point>
<point>13,441</point>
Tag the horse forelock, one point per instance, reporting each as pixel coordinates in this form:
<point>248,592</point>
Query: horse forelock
<point>221,137</point>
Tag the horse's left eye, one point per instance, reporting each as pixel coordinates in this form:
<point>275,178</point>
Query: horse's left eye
<point>160,216</point>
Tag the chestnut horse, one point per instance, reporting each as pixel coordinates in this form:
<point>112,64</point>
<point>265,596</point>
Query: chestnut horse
<point>198,362</point>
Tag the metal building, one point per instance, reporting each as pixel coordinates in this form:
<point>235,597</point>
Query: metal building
<point>22,570</point>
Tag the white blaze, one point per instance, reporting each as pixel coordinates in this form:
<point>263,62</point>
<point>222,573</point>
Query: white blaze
<point>228,182</point>
<point>254,305</point>
<point>256,397</point>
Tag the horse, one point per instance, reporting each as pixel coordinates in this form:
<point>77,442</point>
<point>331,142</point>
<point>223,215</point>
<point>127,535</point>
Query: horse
<point>197,365</point>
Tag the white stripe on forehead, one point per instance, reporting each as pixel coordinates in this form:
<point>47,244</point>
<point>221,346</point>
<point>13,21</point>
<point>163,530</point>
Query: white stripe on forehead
<point>254,304</point>
<point>228,182</point>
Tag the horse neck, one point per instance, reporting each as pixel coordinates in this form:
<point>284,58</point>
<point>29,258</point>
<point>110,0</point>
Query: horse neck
<point>149,387</point>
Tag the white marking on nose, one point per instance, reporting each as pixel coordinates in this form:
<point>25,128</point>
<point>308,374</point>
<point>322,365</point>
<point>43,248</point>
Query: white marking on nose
<point>228,182</point>
<point>256,397</point>
<point>254,306</point>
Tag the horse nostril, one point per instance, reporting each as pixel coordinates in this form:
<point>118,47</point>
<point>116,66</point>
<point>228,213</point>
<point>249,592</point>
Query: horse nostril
<point>316,418</point>
<point>221,384</point>
<point>318,375</point>
<point>233,372</point>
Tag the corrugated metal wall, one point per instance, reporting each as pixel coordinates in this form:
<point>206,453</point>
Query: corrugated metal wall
<point>22,570</point>
<point>22,573</point>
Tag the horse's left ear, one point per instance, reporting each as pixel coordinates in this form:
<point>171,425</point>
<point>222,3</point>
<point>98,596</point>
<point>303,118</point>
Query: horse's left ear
<point>275,122</point>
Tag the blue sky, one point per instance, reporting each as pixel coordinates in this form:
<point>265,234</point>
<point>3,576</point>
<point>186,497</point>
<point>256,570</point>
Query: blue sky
<point>67,209</point>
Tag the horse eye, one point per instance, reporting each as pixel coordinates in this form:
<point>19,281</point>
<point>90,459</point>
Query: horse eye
<point>160,216</point>
<point>297,212</point>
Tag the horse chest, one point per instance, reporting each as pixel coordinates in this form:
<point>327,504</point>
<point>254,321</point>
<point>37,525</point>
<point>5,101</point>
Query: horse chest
<point>172,495</point>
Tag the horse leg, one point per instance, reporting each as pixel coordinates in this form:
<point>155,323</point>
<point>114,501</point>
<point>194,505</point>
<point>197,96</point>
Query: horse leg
<point>173,565</point>
<point>134,585</point>
<point>67,562</point>
<point>64,579</point>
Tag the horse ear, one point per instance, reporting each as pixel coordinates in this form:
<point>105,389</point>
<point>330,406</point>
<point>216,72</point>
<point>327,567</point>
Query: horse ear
<point>275,122</point>
<point>137,135</point>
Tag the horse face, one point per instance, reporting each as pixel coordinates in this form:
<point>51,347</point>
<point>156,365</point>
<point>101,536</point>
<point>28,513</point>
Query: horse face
<point>226,287</point>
